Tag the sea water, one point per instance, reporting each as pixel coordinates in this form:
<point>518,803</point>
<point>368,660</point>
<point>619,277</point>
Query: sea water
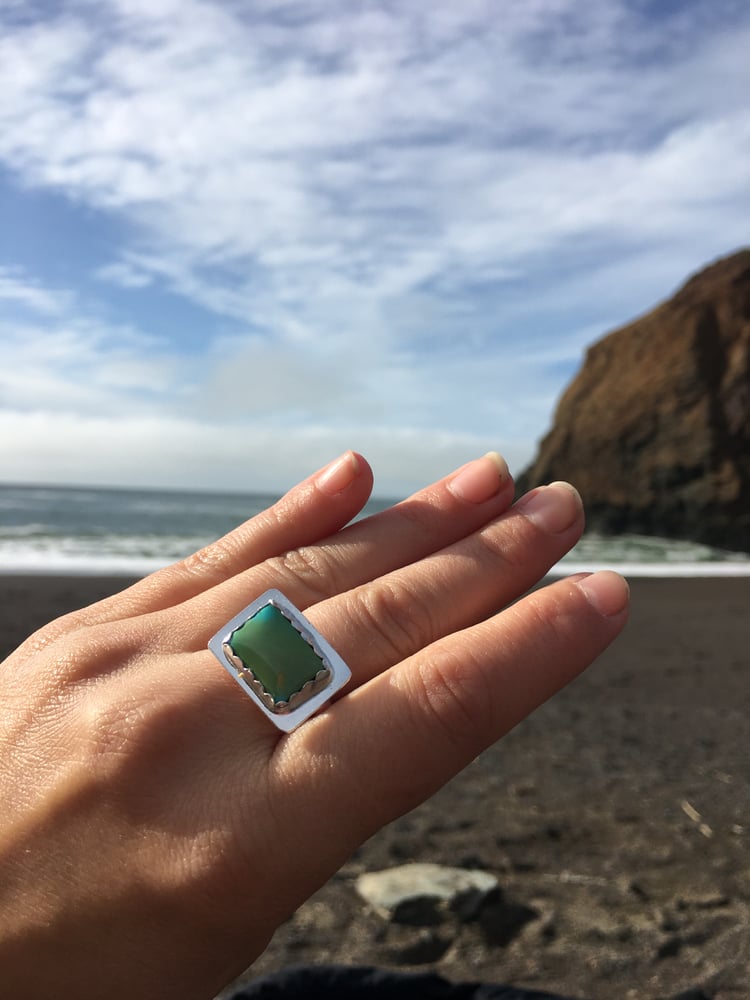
<point>86,530</point>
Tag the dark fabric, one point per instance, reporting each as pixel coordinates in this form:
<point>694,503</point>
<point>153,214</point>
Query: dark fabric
<point>336,982</point>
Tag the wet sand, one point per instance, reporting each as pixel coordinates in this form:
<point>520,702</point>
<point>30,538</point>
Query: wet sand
<point>616,818</point>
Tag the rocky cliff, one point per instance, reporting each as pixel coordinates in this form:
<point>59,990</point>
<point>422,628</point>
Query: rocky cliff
<point>655,429</point>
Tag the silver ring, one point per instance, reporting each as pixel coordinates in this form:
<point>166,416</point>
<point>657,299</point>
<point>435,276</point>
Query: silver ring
<point>280,660</point>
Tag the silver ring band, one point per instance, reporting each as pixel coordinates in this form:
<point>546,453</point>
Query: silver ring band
<point>280,660</point>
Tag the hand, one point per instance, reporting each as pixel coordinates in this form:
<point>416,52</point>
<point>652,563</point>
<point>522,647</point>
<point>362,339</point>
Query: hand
<point>156,828</point>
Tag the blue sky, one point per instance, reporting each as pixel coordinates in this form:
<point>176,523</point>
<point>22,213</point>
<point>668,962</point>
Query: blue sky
<point>238,238</point>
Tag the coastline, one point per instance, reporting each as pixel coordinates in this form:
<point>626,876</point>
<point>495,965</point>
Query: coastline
<point>619,813</point>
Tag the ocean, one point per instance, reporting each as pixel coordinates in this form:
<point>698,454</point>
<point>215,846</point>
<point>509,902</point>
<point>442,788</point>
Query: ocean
<point>91,531</point>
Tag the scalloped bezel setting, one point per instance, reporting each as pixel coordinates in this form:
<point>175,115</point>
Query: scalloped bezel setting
<point>280,660</point>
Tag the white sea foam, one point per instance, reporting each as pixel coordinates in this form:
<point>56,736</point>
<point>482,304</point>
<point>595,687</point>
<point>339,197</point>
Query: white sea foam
<point>94,555</point>
<point>642,556</point>
<point>130,533</point>
<point>33,564</point>
<point>132,555</point>
<point>633,570</point>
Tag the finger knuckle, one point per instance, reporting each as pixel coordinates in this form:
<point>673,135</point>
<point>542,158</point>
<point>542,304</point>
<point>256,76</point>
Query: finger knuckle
<point>548,616</point>
<point>453,697</point>
<point>311,568</point>
<point>399,614</point>
<point>223,558</point>
<point>217,560</point>
<point>504,543</point>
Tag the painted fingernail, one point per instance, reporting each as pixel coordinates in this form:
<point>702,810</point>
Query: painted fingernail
<point>481,479</point>
<point>340,474</point>
<point>608,592</point>
<point>552,508</point>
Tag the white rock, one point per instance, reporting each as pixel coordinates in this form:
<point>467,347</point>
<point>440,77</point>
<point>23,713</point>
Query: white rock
<point>421,893</point>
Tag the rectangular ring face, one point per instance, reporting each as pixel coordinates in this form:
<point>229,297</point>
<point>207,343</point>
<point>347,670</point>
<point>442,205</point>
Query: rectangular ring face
<point>278,658</point>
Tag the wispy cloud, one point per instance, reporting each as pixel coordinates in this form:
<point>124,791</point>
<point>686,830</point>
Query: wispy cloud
<point>358,139</point>
<point>18,289</point>
<point>395,216</point>
<point>58,359</point>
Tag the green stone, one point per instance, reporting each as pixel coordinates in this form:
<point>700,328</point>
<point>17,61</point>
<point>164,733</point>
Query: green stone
<point>271,647</point>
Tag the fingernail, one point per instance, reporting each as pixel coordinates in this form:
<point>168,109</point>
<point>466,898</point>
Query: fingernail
<point>481,479</point>
<point>341,473</point>
<point>552,508</point>
<point>608,592</point>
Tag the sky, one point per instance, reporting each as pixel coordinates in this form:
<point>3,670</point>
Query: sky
<point>237,238</point>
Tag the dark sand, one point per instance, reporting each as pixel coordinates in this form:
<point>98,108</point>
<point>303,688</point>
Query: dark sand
<point>619,815</point>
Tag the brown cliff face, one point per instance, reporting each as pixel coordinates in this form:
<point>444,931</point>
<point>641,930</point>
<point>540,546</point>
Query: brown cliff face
<point>655,429</point>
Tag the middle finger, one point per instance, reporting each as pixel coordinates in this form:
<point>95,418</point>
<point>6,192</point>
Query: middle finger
<point>378,624</point>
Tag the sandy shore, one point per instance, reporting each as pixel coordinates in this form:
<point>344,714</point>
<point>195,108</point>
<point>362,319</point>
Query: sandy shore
<point>617,818</point>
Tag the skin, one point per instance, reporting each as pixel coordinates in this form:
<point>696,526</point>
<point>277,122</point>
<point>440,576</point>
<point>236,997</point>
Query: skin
<point>156,828</point>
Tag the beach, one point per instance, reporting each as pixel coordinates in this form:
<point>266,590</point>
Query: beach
<point>616,818</point>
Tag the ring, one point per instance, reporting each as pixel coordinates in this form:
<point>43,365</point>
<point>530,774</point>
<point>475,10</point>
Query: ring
<point>280,660</point>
